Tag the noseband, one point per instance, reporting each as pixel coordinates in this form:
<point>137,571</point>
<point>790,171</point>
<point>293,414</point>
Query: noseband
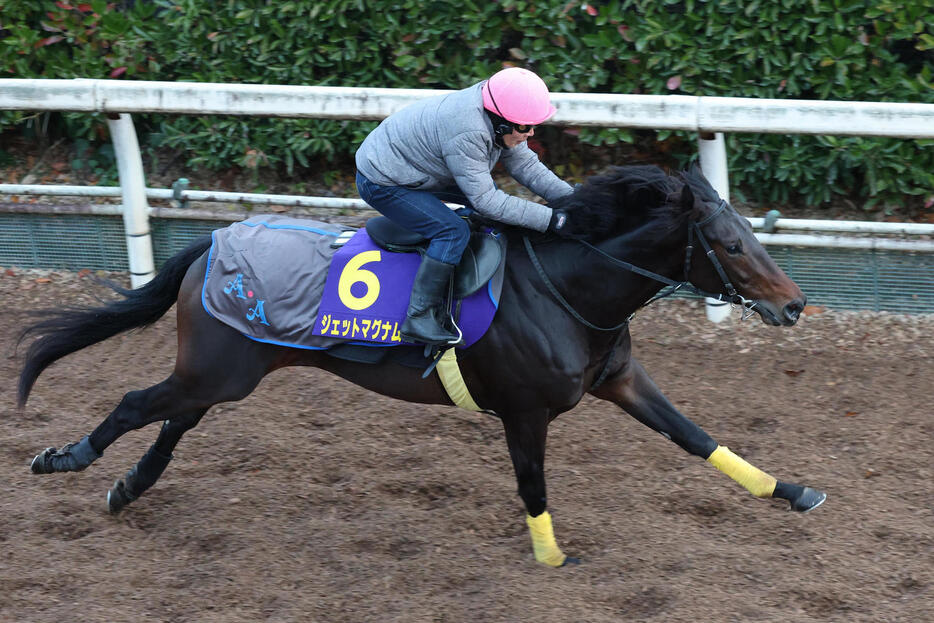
<point>694,230</point>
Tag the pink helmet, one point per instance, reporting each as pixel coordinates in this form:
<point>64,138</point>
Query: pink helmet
<point>517,95</point>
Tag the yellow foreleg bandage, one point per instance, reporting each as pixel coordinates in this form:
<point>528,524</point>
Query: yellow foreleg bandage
<point>754,479</point>
<point>543,540</point>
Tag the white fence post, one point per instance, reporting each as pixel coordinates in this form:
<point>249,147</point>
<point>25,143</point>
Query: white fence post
<point>712,152</point>
<point>135,206</point>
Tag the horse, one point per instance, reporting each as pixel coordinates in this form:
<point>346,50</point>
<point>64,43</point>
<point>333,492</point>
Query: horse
<point>561,330</point>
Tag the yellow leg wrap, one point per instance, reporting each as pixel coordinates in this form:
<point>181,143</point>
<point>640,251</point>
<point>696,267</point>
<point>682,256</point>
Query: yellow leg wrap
<point>754,479</point>
<point>543,540</point>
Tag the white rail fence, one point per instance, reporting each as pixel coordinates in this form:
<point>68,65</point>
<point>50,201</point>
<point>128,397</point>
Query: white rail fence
<point>710,117</point>
<point>672,112</point>
<point>767,237</point>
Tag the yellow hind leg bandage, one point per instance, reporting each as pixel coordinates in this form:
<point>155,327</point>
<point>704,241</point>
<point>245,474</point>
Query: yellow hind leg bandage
<point>543,540</point>
<point>754,479</point>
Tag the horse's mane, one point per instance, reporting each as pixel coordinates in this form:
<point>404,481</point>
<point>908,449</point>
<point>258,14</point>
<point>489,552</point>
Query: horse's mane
<point>631,197</point>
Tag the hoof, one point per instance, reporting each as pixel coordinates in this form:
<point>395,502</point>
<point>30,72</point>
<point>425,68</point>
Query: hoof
<point>42,463</point>
<point>571,560</point>
<point>73,457</point>
<point>808,500</point>
<point>118,497</point>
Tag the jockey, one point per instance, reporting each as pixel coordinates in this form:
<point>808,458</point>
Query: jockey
<point>443,148</point>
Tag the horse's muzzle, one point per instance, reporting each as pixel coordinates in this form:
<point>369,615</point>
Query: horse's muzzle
<point>786,316</point>
<point>792,311</point>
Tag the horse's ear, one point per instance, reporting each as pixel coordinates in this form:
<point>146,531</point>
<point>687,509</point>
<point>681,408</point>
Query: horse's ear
<point>687,198</point>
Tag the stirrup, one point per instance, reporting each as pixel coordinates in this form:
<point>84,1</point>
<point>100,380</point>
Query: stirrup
<point>448,313</point>
<point>460,334</point>
<point>443,336</point>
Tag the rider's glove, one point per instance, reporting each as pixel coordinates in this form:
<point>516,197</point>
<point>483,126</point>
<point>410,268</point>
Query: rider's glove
<point>559,222</point>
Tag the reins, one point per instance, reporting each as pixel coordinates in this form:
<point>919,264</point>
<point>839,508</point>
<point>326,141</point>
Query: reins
<point>694,229</point>
<point>732,296</point>
<point>567,306</point>
<point>554,291</point>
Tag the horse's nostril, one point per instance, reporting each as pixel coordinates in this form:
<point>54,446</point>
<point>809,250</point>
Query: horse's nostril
<point>793,310</point>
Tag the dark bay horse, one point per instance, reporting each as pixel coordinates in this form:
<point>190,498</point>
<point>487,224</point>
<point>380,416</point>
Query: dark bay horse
<point>561,331</point>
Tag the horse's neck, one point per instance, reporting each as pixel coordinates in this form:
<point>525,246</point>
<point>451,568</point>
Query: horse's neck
<point>601,290</point>
<point>663,257</point>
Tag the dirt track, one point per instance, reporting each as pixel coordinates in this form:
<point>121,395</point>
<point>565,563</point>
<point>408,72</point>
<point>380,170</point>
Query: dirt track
<point>315,501</point>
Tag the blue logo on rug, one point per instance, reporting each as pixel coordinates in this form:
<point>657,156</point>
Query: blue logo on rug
<point>252,312</point>
<point>235,285</point>
<point>257,312</point>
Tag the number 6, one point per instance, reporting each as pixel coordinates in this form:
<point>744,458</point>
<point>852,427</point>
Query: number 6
<point>352,274</point>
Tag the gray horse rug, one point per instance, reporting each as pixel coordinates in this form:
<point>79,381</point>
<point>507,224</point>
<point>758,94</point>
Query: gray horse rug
<point>313,285</point>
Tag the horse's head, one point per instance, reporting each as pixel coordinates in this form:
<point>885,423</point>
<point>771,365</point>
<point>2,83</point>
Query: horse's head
<point>642,213</point>
<point>724,254</point>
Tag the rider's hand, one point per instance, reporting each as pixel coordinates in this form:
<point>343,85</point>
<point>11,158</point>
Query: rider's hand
<point>559,223</point>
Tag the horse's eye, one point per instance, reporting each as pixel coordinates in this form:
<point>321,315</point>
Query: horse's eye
<point>735,249</point>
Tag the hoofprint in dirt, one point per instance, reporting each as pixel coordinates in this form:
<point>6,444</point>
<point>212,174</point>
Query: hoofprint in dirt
<point>314,500</point>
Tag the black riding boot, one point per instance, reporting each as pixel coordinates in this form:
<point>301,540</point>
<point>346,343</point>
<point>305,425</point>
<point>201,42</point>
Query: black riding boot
<point>424,320</point>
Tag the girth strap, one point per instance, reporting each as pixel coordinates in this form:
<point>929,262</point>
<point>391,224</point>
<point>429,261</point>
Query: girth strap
<point>452,379</point>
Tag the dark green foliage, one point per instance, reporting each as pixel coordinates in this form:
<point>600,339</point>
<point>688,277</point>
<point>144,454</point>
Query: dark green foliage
<point>43,39</point>
<point>803,49</point>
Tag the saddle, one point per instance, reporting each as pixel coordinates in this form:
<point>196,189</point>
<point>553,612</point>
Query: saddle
<point>484,254</point>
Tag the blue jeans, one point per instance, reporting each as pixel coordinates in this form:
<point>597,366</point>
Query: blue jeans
<point>423,212</point>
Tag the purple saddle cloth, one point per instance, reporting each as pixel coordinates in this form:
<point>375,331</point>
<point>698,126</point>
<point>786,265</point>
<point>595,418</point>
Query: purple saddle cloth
<point>285,281</point>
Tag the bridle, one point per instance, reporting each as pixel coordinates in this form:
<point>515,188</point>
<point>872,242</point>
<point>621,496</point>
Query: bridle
<point>735,298</point>
<point>694,230</point>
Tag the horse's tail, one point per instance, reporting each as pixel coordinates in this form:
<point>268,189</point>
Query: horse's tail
<point>65,331</point>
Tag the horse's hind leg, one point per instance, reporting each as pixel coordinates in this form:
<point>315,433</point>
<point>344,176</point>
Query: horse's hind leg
<point>215,364</point>
<point>633,390</point>
<point>164,401</point>
<point>149,468</point>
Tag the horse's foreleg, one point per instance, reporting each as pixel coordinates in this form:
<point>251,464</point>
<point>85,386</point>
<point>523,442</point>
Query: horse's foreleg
<point>525,435</point>
<point>149,468</point>
<point>637,394</point>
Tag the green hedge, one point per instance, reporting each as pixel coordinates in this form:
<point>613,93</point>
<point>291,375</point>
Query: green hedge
<point>804,49</point>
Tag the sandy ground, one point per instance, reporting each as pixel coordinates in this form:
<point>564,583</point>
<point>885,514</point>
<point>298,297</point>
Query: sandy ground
<point>313,500</point>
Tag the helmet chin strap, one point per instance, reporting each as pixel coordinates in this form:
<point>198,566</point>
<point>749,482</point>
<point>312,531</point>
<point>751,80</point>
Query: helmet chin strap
<point>501,128</point>
<point>501,125</point>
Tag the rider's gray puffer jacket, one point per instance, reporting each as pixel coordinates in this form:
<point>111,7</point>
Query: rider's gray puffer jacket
<point>445,140</point>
